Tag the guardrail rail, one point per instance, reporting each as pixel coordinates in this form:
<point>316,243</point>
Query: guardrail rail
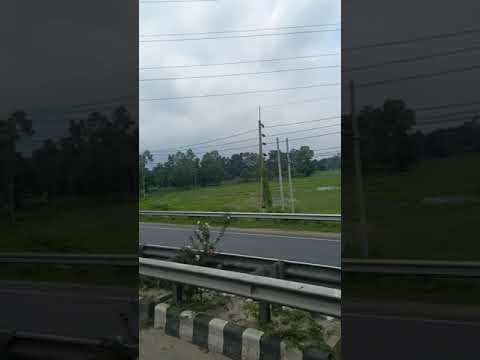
<point>244,215</point>
<point>314,298</point>
<point>289,270</point>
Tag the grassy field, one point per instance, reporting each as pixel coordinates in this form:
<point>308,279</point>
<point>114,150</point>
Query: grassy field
<point>403,225</point>
<point>319,193</point>
<point>72,226</point>
<point>246,196</point>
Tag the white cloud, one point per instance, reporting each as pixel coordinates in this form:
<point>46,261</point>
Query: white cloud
<point>167,124</point>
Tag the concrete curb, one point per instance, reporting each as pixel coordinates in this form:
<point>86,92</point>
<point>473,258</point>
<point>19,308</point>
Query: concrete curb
<point>226,338</point>
<point>146,307</point>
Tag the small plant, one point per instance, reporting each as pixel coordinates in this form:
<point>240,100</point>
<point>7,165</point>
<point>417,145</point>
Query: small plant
<point>204,300</point>
<point>202,245</point>
<point>296,327</point>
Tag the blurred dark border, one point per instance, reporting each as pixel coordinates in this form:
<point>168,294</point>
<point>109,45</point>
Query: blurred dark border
<point>410,179</point>
<point>68,169</point>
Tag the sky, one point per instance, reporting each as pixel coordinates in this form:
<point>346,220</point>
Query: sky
<point>169,125</point>
<point>70,54</point>
<point>362,26</point>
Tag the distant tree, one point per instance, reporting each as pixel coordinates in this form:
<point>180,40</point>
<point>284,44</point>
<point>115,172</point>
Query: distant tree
<point>330,163</point>
<point>385,140</point>
<point>211,169</point>
<point>250,168</point>
<point>234,166</point>
<point>302,161</point>
<point>184,167</point>
<point>13,128</point>
<point>272,163</point>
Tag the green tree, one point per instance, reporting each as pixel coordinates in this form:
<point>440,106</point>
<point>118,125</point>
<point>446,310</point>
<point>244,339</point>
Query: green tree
<point>14,127</point>
<point>211,168</point>
<point>302,161</point>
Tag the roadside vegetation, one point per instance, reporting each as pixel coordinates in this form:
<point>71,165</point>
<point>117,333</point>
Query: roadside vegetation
<point>318,193</point>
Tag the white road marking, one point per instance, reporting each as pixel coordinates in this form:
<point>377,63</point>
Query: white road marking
<point>244,233</point>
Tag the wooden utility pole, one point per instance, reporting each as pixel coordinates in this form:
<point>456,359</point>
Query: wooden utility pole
<point>280,178</point>
<point>260,158</point>
<point>292,200</point>
<point>358,172</point>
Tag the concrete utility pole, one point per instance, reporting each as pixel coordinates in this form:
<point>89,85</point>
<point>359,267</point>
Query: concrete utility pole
<point>260,157</point>
<point>358,172</point>
<point>11,131</point>
<point>292,200</point>
<point>143,185</point>
<point>280,179</point>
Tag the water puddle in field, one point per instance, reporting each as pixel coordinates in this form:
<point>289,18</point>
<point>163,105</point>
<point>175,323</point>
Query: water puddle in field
<point>442,200</point>
<point>328,188</point>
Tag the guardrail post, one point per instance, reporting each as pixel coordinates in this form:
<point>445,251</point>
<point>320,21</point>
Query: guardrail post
<point>264,308</point>
<point>279,270</point>
<point>177,293</point>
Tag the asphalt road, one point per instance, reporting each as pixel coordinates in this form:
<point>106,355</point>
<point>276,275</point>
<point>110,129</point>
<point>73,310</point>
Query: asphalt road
<point>294,247</point>
<point>68,310</point>
<point>403,332</point>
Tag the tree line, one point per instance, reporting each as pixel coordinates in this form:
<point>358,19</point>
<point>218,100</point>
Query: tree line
<point>186,169</point>
<point>97,157</point>
<point>389,143</point>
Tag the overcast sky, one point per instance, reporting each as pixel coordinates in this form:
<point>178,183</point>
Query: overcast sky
<point>171,124</point>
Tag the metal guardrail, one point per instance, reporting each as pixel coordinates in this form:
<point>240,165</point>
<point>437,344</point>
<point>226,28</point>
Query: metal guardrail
<point>69,259</point>
<point>245,215</point>
<point>413,267</point>
<point>291,270</point>
<point>318,299</point>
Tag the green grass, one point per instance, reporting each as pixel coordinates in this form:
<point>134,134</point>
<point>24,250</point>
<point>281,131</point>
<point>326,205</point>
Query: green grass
<point>246,196</point>
<point>234,196</point>
<point>402,226</point>
<point>288,225</point>
<point>73,226</point>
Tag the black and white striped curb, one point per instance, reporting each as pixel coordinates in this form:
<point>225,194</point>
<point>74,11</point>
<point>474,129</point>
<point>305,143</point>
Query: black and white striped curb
<point>226,338</point>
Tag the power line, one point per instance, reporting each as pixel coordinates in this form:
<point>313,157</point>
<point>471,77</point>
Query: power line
<point>419,76</point>
<point>413,40</point>
<point>203,144</point>
<point>412,59</point>
<point>209,146</point>
<point>446,106</point>
<point>238,62</point>
<point>315,136</point>
<point>241,92</point>
<point>244,30</point>
<point>327,148</point>
<point>303,130</point>
<point>300,101</point>
<point>430,122</point>
<point>240,36</point>
<point>452,114</point>
<point>209,141</point>
<point>244,73</point>
<point>303,122</point>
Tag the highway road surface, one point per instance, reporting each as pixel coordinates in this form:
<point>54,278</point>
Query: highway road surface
<point>410,331</point>
<point>324,250</point>
<point>68,310</point>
